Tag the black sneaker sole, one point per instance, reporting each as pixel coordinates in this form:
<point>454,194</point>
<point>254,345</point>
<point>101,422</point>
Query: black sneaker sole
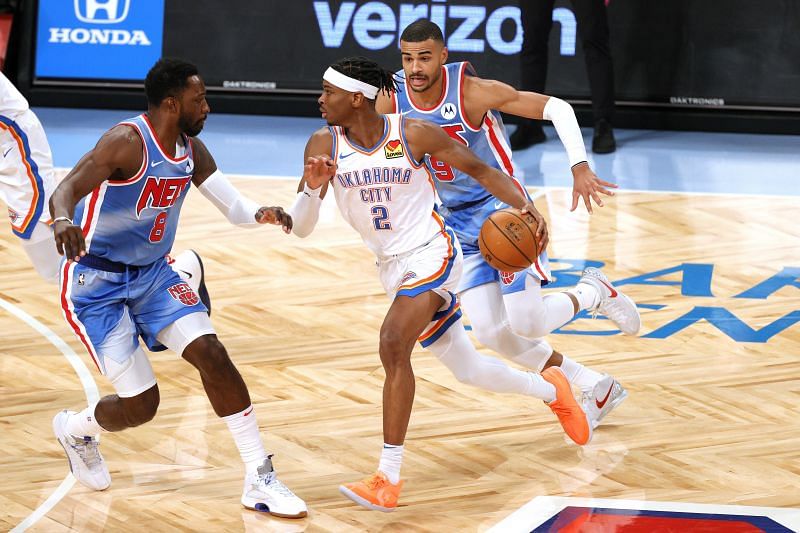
<point>204,296</point>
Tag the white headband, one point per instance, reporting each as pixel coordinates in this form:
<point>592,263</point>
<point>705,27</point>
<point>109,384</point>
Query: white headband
<point>347,83</point>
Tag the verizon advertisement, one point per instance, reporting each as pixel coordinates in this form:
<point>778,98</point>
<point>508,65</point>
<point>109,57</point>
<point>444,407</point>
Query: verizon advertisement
<point>735,54</point>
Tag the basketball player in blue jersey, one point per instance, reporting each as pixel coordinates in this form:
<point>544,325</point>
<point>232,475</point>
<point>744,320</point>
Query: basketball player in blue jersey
<point>374,164</point>
<point>508,312</point>
<point>27,179</point>
<point>115,217</point>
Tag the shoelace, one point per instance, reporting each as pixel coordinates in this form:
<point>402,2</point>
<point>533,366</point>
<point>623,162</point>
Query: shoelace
<point>374,482</point>
<point>88,451</point>
<point>273,483</point>
<point>614,312</point>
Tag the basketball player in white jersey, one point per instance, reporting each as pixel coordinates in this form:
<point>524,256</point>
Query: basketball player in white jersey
<point>374,164</point>
<point>508,313</point>
<point>27,180</point>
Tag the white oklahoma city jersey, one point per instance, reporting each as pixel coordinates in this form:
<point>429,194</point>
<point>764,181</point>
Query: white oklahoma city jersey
<point>383,193</point>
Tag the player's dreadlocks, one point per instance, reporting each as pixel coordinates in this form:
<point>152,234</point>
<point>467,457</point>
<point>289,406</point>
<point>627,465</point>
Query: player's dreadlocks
<point>368,71</point>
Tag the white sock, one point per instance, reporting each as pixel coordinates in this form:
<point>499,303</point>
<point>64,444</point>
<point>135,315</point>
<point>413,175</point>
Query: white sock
<point>579,375</point>
<point>244,429</point>
<point>586,294</point>
<point>84,423</point>
<point>391,461</point>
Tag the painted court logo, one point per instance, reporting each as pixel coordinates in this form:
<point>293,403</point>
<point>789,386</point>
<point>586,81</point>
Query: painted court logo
<point>393,149</point>
<point>184,294</point>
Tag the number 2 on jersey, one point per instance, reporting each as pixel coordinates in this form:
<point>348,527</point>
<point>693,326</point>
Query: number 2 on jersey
<point>380,217</point>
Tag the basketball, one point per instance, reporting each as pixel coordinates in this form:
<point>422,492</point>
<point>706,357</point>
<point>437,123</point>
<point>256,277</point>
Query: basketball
<point>508,240</point>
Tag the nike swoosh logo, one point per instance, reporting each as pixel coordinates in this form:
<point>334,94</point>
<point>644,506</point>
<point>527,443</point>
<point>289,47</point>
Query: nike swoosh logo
<point>498,205</point>
<point>342,156</point>
<point>6,152</point>
<point>188,274</point>
<point>613,292</point>
<point>250,411</point>
<point>599,403</point>
<point>155,163</point>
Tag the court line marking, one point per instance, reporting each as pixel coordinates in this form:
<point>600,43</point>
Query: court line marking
<point>89,388</point>
<point>540,509</point>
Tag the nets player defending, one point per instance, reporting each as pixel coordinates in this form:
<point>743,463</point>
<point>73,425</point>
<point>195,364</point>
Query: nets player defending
<point>27,180</point>
<point>125,196</point>
<point>508,313</point>
<point>374,164</point>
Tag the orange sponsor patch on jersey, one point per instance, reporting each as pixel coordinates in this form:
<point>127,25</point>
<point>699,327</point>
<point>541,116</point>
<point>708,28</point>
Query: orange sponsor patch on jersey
<point>393,148</point>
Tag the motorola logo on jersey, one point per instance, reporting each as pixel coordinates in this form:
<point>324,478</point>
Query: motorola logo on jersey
<point>448,111</point>
<point>160,193</point>
<point>377,25</point>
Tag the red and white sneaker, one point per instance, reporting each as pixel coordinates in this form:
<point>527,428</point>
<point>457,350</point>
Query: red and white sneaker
<point>618,307</point>
<point>606,395</point>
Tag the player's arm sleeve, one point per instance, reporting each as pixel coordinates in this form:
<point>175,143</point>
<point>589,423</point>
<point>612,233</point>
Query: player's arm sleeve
<point>239,210</point>
<point>563,117</point>
<point>305,211</point>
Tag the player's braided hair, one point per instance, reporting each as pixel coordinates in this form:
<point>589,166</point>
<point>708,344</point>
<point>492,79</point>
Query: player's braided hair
<point>368,71</point>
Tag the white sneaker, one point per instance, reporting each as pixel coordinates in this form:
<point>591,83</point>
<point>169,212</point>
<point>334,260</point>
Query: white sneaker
<point>619,308</point>
<point>83,453</point>
<point>189,267</point>
<point>607,394</point>
<point>263,491</point>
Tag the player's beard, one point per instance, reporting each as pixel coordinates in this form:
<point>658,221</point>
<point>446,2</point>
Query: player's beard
<point>192,130</point>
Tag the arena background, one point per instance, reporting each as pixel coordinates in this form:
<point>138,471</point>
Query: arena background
<point>678,65</point>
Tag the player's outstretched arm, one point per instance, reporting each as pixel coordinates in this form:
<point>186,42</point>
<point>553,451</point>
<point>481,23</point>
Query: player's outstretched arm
<point>482,95</point>
<point>427,138</point>
<point>318,169</point>
<point>238,209</point>
<point>117,156</point>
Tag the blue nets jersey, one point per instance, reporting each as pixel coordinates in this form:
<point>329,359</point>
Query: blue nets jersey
<point>488,140</point>
<point>134,221</point>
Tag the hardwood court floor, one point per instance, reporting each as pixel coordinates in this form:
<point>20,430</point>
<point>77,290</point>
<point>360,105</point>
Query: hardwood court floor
<point>708,420</point>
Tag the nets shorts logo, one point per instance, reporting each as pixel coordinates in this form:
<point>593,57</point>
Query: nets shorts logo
<point>102,11</point>
<point>507,278</point>
<point>184,294</point>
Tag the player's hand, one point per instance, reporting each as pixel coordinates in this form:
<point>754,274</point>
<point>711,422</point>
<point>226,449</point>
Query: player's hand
<point>276,216</point>
<point>542,235</point>
<point>318,170</point>
<point>69,240</point>
<point>588,186</point>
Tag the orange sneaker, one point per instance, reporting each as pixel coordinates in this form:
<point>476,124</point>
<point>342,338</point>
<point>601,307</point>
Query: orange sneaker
<point>572,417</point>
<point>374,492</point>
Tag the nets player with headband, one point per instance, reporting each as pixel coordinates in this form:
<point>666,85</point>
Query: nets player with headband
<point>507,311</point>
<point>374,165</point>
<point>124,197</point>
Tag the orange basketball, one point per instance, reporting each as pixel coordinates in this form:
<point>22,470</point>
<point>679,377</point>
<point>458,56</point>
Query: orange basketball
<point>508,240</point>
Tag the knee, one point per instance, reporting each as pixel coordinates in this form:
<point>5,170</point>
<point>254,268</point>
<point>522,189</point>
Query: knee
<point>141,408</point>
<point>528,326</point>
<point>395,350</point>
<point>491,334</point>
<point>208,355</point>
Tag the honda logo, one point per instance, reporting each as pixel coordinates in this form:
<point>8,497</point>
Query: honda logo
<point>102,11</point>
